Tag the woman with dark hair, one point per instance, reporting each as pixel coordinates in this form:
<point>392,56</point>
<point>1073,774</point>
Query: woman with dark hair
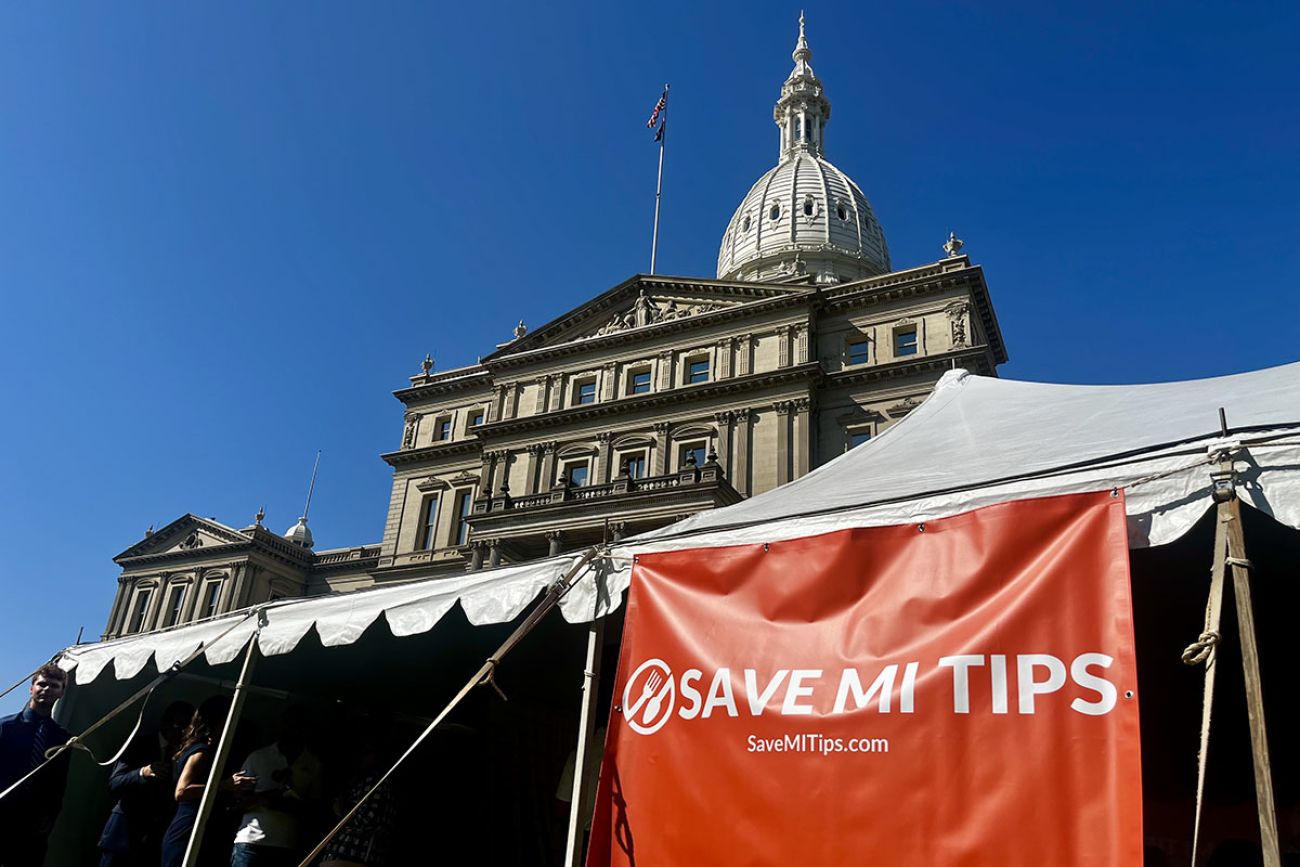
<point>193,767</point>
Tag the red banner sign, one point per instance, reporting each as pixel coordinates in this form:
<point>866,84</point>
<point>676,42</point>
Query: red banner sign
<point>961,692</point>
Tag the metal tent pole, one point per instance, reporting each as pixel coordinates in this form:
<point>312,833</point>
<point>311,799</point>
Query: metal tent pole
<point>586,728</point>
<point>223,753</point>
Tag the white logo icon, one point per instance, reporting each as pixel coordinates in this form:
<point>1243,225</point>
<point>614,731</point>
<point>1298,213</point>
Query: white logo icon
<point>649,697</point>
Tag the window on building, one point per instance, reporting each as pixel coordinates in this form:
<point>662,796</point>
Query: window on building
<point>576,472</point>
<point>842,211</point>
<point>809,206</point>
<point>859,351</point>
<point>905,341</point>
<point>175,605</point>
<point>476,417</point>
<point>774,213</point>
<point>442,430</point>
<point>858,436</point>
<point>584,392</point>
<point>212,599</point>
<point>697,370</point>
<point>141,610</point>
<point>634,464</point>
<point>464,502</point>
<point>638,382</point>
<point>429,523</point>
<point>744,226</point>
<point>687,451</point>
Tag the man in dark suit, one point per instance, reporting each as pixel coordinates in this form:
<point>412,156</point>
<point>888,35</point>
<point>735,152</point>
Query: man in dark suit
<point>28,812</point>
<point>145,791</point>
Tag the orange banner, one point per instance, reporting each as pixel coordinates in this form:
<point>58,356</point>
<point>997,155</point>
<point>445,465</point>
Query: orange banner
<point>961,692</point>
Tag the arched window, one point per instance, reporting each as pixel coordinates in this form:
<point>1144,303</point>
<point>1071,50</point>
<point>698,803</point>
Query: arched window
<point>841,211</point>
<point>744,226</point>
<point>809,206</point>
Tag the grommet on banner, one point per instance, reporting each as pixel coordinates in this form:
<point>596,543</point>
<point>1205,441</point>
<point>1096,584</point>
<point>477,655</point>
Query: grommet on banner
<point>636,559</point>
<point>1128,693</point>
<point>1114,492</point>
<point>920,528</point>
<point>766,547</point>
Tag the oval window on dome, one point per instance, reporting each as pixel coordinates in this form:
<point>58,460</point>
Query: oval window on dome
<point>809,206</point>
<point>775,212</point>
<point>744,226</point>
<point>841,211</point>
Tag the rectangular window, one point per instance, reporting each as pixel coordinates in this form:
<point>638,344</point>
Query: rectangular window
<point>689,451</point>
<point>212,600</point>
<point>577,473</point>
<point>697,371</point>
<point>141,610</point>
<point>584,392</point>
<point>858,437</point>
<point>905,342</point>
<point>859,351</point>
<point>429,523</point>
<point>639,382</point>
<point>442,432</point>
<point>634,465</point>
<point>476,417</point>
<point>176,603</point>
<point>464,502</point>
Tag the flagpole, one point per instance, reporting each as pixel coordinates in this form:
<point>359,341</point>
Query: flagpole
<point>659,185</point>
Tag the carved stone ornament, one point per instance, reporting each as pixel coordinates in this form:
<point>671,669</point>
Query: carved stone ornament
<point>463,477</point>
<point>408,435</point>
<point>957,314</point>
<point>649,311</point>
<point>431,483</point>
<point>903,407</point>
<point>192,541</point>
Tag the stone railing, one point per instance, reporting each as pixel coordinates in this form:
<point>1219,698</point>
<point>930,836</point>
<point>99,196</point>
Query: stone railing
<point>564,492</point>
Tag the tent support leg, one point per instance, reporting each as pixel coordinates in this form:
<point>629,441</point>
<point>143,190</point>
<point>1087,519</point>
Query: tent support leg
<point>222,754</point>
<point>586,728</point>
<point>1254,686</point>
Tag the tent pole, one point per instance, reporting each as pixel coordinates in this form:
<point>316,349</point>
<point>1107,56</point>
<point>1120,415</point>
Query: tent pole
<point>586,728</point>
<point>223,753</point>
<point>1254,686</point>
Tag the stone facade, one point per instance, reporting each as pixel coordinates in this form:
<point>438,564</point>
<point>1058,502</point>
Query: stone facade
<point>660,398</point>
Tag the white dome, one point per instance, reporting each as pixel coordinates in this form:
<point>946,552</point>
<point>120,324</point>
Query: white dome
<point>805,216</point>
<point>299,534</point>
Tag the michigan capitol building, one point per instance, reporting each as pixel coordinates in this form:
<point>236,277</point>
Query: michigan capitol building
<point>654,400</point>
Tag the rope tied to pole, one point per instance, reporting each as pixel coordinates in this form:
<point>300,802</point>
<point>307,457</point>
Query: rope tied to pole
<point>1200,649</point>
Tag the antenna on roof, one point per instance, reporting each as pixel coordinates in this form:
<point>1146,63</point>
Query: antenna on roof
<point>312,486</point>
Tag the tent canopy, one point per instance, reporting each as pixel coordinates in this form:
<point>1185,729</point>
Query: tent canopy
<point>974,442</point>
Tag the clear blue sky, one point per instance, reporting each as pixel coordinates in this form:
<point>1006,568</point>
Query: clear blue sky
<point>228,231</point>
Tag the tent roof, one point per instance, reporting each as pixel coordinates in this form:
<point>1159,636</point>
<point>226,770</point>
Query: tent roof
<point>974,442</point>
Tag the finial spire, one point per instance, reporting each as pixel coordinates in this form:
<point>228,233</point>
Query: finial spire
<point>311,487</point>
<point>953,245</point>
<point>802,53</point>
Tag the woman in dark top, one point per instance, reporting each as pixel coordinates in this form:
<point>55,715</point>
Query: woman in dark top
<point>192,769</point>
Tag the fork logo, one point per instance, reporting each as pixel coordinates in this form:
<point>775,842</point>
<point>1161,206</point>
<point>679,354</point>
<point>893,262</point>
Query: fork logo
<point>649,697</point>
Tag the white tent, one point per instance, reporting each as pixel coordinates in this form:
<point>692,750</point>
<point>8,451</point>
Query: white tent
<point>975,441</point>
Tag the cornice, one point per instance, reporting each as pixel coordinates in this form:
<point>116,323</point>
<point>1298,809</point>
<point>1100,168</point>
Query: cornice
<point>673,396</point>
<point>974,359</point>
<point>448,382</point>
<point>438,450</point>
<point>577,346</point>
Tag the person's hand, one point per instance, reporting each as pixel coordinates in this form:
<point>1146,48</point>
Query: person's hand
<point>147,772</point>
<point>242,782</point>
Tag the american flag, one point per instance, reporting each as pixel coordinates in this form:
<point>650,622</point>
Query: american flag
<point>659,108</point>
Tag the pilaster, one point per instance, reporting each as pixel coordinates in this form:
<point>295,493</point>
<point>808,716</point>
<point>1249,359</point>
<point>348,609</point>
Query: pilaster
<point>741,469</point>
<point>661,448</point>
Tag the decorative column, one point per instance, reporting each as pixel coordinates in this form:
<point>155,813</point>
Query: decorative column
<point>539,406</point>
<point>723,446</point>
<point>724,358</point>
<point>618,529</point>
<point>237,582</point>
<point>602,457</point>
<point>497,406</point>
<point>494,553</point>
<point>783,346</point>
<point>783,409</point>
<point>548,466</point>
<point>665,370</point>
<point>608,379</point>
<point>661,448</point>
<point>155,603</point>
<point>111,627</point>
<point>555,385</point>
<point>801,344</point>
<point>802,437</point>
<point>487,475</point>
<point>740,470</point>
<point>530,471</point>
<point>512,401</point>
<point>475,556</point>
<point>744,355</point>
<point>553,539</point>
<point>192,597</point>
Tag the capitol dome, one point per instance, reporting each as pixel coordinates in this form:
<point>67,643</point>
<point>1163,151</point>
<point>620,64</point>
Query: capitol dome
<point>804,216</point>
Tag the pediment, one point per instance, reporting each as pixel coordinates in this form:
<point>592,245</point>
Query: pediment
<point>189,534</point>
<point>642,304</point>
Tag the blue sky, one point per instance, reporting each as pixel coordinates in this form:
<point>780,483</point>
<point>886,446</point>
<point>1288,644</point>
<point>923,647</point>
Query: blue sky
<point>228,231</point>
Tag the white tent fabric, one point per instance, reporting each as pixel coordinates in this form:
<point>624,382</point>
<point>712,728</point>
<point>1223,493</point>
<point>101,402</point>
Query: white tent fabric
<point>494,596</point>
<point>976,441</point>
